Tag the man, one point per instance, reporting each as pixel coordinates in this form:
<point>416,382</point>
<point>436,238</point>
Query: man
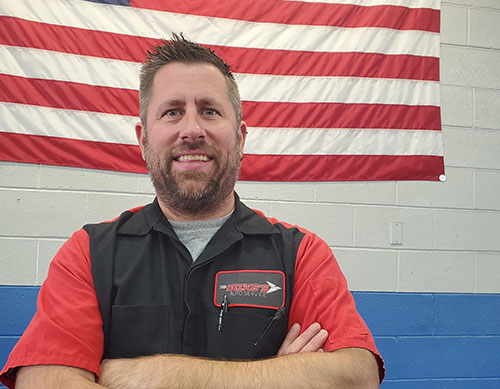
<point>195,289</point>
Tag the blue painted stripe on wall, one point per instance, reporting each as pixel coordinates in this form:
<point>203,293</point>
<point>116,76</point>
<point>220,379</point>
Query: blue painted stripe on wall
<point>466,314</point>
<point>428,340</point>
<point>443,384</point>
<point>449,356</point>
<point>396,313</point>
<point>17,307</point>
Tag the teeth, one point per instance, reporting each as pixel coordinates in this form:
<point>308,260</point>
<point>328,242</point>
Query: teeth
<point>184,158</point>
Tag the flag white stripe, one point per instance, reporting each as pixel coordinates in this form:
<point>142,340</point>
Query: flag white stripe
<point>433,4</point>
<point>51,65</point>
<point>253,87</point>
<point>300,141</point>
<point>349,90</point>
<point>27,119</point>
<point>223,31</point>
<point>81,125</point>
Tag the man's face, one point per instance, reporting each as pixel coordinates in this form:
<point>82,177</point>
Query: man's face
<point>193,143</point>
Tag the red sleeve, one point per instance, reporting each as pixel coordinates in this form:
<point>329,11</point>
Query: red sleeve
<point>320,295</point>
<point>67,326</point>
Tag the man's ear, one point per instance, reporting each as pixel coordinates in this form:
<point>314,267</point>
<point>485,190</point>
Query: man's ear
<point>140,133</point>
<point>243,135</point>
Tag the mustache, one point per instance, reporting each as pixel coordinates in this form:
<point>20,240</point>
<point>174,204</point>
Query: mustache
<point>200,145</point>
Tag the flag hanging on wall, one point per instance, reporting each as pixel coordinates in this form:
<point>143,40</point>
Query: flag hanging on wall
<point>331,90</point>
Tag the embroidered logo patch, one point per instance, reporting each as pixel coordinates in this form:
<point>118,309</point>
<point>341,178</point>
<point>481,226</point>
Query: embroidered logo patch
<point>251,288</point>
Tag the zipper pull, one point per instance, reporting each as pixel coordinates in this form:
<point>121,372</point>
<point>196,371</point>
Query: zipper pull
<point>277,315</point>
<point>223,308</point>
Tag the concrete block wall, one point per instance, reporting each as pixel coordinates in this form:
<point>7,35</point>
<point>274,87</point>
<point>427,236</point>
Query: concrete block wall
<point>450,248</point>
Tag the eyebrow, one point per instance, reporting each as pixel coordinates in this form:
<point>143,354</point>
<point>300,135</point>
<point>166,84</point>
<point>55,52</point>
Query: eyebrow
<point>169,104</point>
<point>209,101</point>
<point>174,103</point>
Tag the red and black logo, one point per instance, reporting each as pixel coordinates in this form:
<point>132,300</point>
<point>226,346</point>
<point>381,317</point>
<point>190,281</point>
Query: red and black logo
<point>251,288</point>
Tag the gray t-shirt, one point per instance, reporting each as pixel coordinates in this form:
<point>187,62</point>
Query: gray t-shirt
<point>196,234</point>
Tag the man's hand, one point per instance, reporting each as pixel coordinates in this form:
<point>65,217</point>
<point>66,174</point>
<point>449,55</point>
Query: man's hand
<point>311,340</point>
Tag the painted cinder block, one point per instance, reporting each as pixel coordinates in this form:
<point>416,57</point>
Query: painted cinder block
<point>475,3</point>
<point>483,31</point>
<point>455,192</point>
<point>462,314</point>
<point>396,314</point>
<point>466,230</point>
<point>41,213</point>
<point>68,178</point>
<point>466,66</point>
<point>487,189</point>
<point>108,206</point>
<point>144,184</point>
<point>262,206</point>
<point>18,175</point>
<point>387,347</point>
<point>372,227</point>
<point>449,357</point>
<point>487,106</point>
<point>333,223</point>
<point>47,249</point>
<point>356,192</point>
<point>370,270</point>
<point>7,343</point>
<point>456,106</point>
<point>453,24</point>
<point>436,271</point>
<point>275,191</point>
<point>488,273</point>
<point>477,148</point>
<point>17,308</point>
<point>18,261</point>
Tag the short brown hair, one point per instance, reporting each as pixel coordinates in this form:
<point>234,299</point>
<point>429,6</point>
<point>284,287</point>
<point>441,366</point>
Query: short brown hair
<point>179,49</point>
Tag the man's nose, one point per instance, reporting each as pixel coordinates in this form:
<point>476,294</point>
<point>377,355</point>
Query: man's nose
<point>191,128</point>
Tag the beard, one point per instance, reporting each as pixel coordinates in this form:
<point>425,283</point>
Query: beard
<point>193,193</point>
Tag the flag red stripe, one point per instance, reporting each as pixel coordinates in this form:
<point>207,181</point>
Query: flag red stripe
<point>340,167</point>
<point>306,63</point>
<point>68,95</point>
<point>75,96</point>
<point>19,32</point>
<point>295,12</point>
<point>336,115</point>
<point>73,40</point>
<point>110,156</point>
<point>70,152</point>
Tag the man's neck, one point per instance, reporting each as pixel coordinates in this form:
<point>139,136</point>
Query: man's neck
<point>221,210</point>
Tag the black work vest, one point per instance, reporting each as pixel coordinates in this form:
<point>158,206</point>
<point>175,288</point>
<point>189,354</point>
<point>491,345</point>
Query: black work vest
<point>154,299</point>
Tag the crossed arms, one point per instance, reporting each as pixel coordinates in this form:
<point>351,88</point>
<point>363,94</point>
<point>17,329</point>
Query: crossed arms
<point>300,363</point>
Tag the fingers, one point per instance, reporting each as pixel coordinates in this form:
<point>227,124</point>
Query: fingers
<point>311,340</point>
<point>292,334</point>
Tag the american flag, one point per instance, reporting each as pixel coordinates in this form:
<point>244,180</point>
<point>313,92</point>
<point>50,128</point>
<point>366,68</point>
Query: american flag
<point>331,90</point>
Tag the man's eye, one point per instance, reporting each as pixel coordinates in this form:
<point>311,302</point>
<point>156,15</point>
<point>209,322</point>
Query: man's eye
<point>171,113</point>
<point>210,112</point>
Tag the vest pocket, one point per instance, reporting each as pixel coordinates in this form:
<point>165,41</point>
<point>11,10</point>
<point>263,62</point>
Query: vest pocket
<point>240,332</point>
<point>137,330</point>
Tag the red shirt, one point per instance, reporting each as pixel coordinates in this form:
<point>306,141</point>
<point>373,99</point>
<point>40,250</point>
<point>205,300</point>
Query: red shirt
<point>67,327</point>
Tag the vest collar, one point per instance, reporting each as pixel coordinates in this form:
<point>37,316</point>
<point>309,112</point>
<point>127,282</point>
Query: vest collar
<point>244,220</point>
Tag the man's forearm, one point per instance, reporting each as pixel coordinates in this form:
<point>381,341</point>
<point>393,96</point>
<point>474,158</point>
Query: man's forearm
<point>55,377</point>
<point>347,368</point>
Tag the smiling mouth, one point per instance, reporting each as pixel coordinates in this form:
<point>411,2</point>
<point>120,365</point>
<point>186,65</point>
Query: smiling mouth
<point>188,158</point>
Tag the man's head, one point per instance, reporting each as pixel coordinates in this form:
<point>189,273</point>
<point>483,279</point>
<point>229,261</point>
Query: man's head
<point>190,133</point>
<point>181,50</point>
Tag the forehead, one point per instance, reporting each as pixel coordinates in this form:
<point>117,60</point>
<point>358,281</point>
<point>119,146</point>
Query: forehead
<point>184,80</point>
